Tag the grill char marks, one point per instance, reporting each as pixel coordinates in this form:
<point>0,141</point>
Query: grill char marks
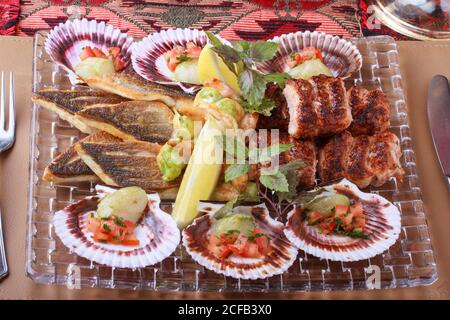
<point>135,88</point>
<point>364,160</point>
<point>73,101</point>
<point>65,103</point>
<point>149,121</point>
<point>125,164</point>
<point>68,166</point>
<point>317,107</point>
<point>370,111</point>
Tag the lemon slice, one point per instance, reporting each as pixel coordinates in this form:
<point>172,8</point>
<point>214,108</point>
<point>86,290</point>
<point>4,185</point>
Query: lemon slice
<point>211,66</point>
<point>201,175</point>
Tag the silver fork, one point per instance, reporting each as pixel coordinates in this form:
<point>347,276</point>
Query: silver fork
<point>7,137</point>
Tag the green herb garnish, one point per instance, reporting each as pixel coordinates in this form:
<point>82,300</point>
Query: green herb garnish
<point>228,207</point>
<point>106,228</point>
<point>252,82</point>
<point>183,58</point>
<point>258,235</point>
<point>118,221</point>
<point>231,232</point>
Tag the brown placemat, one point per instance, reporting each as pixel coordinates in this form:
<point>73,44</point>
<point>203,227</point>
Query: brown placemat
<point>419,62</point>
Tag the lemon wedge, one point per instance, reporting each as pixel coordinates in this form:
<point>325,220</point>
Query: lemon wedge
<point>201,175</point>
<point>211,66</point>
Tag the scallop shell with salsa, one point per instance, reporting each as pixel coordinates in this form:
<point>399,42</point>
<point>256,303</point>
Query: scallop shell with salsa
<point>157,233</point>
<point>382,228</point>
<point>280,255</point>
<point>66,41</point>
<point>341,56</point>
<point>148,55</point>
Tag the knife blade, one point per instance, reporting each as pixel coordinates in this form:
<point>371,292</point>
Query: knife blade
<point>439,120</point>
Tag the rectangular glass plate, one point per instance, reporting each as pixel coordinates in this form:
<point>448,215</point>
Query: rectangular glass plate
<point>410,262</point>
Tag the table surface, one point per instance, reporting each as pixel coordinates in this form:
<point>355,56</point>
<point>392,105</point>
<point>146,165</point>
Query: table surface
<point>419,61</point>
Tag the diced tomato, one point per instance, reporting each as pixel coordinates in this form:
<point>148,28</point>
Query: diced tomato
<point>93,224</point>
<point>327,227</point>
<point>234,249</point>
<point>119,232</point>
<point>250,250</point>
<point>129,225</point>
<point>306,54</point>
<point>192,50</point>
<point>101,237</point>
<point>114,51</point>
<point>357,209</point>
<point>172,65</point>
<point>86,53</point>
<point>340,210</point>
<point>314,217</point>
<point>225,253</point>
<point>130,240</point>
<point>263,244</point>
<point>106,226</point>
<point>119,64</point>
<point>99,53</point>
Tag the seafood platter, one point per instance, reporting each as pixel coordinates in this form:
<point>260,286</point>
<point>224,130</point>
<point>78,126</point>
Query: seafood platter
<point>187,162</point>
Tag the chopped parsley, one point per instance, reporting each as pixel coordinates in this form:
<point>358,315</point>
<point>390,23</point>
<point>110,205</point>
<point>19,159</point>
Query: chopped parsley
<point>183,58</point>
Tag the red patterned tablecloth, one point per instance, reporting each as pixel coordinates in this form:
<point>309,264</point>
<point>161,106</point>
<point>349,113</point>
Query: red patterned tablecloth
<point>248,20</point>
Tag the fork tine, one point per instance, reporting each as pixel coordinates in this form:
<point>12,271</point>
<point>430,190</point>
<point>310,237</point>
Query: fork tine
<point>11,123</point>
<point>2,102</point>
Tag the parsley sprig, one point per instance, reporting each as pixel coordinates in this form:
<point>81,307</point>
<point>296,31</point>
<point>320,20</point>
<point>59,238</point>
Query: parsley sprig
<point>282,179</point>
<point>241,59</point>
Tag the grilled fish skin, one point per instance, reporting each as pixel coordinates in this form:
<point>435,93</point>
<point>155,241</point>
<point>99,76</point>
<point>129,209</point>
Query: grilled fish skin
<point>135,88</point>
<point>317,107</point>
<point>370,111</point>
<point>68,166</point>
<point>364,160</point>
<point>65,103</point>
<point>124,164</point>
<point>149,121</point>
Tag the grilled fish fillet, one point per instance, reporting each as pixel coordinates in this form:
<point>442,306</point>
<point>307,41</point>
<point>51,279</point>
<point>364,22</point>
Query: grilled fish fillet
<point>124,164</point>
<point>317,107</point>
<point>68,166</point>
<point>135,88</point>
<point>370,111</point>
<point>364,160</point>
<point>301,149</point>
<point>65,103</point>
<point>149,121</point>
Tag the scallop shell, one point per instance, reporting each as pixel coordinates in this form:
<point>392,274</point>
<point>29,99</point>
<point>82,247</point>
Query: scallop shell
<point>158,235</point>
<point>278,261</point>
<point>341,56</point>
<point>65,42</point>
<point>383,227</point>
<point>148,55</point>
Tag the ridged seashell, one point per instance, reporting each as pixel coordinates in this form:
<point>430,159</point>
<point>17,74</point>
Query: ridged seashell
<point>148,55</point>
<point>157,233</point>
<point>65,42</point>
<point>341,56</point>
<point>195,240</point>
<point>383,225</point>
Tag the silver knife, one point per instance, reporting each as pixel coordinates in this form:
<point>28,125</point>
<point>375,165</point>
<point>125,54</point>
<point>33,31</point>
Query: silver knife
<point>439,119</point>
<point>3,263</point>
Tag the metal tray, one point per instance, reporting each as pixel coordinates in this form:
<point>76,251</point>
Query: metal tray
<point>410,262</point>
